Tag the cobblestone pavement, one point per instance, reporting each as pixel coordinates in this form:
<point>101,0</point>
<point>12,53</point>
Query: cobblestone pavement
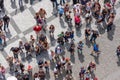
<point>22,22</point>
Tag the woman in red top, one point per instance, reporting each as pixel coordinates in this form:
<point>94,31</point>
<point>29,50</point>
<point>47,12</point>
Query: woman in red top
<point>77,21</point>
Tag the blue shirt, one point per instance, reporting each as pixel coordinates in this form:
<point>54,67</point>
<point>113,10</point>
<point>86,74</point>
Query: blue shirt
<point>61,11</point>
<point>95,47</point>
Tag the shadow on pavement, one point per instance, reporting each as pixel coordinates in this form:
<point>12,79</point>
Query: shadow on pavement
<point>52,41</point>
<point>111,33</point>
<point>47,76</point>
<point>13,4</point>
<point>88,43</point>
<point>96,57</point>
<point>78,32</point>
<point>101,29</point>
<point>62,23</point>
<point>22,8</point>
<point>26,1</point>
<point>81,57</point>
<point>72,58</point>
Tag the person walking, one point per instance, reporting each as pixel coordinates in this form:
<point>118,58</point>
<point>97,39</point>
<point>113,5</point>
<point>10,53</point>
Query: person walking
<point>94,36</point>
<point>110,22</point>
<point>95,49</point>
<point>80,47</point>
<point>6,20</point>
<point>77,21</point>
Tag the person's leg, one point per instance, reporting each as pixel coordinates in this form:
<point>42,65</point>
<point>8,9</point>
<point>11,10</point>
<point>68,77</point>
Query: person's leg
<point>108,28</point>
<point>63,1</point>
<point>91,39</point>
<point>94,38</point>
<point>5,26</point>
<point>56,3</point>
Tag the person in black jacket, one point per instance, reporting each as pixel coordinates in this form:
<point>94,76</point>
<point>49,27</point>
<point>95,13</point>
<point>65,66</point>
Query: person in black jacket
<point>6,20</point>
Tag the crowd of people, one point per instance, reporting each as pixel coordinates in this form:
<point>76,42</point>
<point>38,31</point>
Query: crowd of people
<point>89,10</point>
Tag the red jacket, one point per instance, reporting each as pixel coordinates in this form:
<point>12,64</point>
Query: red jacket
<point>77,19</point>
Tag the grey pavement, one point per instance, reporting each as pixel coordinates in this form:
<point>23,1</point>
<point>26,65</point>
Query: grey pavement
<point>22,22</point>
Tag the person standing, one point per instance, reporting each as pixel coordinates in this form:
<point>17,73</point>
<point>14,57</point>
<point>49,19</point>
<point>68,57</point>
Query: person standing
<point>6,20</point>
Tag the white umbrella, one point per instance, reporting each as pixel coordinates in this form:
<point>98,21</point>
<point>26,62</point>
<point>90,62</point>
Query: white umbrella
<point>12,78</point>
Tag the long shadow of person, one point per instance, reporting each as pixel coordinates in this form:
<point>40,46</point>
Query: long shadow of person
<point>111,33</point>
<point>21,5</point>
<point>100,29</point>
<point>22,54</point>
<point>78,32</point>
<point>13,4</point>
<point>72,58</point>
<point>96,57</point>
<point>81,57</point>
<point>26,1</point>
<point>52,41</point>
<point>47,76</point>
<point>62,23</point>
<point>55,12</point>
<point>88,43</point>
